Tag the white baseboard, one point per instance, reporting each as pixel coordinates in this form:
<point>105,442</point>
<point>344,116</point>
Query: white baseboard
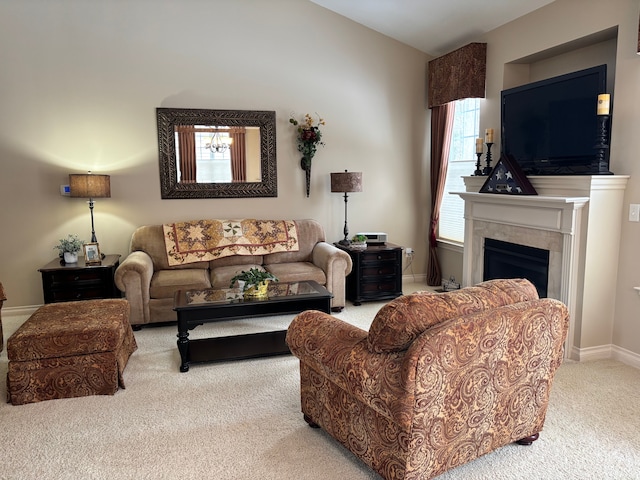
<point>625,356</point>
<point>19,311</point>
<point>411,278</point>
<point>604,352</point>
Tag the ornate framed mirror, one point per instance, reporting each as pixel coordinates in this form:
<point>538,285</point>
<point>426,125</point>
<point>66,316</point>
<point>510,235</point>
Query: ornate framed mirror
<point>217,153</point>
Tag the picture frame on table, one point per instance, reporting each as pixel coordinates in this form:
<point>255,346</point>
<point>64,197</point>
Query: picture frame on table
<point>92,254</point>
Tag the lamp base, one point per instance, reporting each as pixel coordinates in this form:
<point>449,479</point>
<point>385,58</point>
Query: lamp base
<point>344,242</point>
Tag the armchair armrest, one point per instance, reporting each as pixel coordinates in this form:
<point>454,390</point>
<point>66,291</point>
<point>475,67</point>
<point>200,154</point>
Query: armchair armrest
<point>323,341</point>
<point>133,277</point>
<point>338,351</point>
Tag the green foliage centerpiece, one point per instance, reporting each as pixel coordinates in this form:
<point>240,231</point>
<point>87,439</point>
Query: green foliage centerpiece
<point>255,282</point>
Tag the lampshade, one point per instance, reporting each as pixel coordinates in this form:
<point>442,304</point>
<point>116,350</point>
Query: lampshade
<point>87,185</point>
<point>346,182</point>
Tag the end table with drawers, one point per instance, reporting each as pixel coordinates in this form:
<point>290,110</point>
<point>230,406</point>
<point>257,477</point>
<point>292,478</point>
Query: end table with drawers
<point>77,281</point>
<point>376,273</point>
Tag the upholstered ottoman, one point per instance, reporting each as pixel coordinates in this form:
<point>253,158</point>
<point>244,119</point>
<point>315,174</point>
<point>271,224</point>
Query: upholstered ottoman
<point>70,349</point>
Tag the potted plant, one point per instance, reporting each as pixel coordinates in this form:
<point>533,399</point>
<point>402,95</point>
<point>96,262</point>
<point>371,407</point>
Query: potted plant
<point>359,241</point>
<point>69,247</point>
<point>254,282</point>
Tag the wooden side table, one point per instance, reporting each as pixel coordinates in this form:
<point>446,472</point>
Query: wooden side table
<point>376,273</point>
<point>77,281</point>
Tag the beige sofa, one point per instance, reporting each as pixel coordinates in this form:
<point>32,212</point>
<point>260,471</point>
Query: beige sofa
<point>149,282</point>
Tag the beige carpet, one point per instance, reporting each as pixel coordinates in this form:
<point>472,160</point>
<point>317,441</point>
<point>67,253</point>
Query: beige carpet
<point>242,420</point>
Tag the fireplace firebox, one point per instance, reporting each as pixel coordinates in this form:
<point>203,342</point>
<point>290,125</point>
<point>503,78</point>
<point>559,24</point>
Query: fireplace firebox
<point>510,260</point>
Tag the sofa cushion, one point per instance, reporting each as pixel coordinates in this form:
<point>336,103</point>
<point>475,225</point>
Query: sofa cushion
<point>221,276</point>
<point>247,260</point>
<point>165,283</point>
<point>402,320</point>
<point>297,272</point>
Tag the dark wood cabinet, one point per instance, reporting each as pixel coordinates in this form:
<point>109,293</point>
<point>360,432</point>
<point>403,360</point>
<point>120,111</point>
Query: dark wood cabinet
<point>376,273</point>
<point>77,281</point>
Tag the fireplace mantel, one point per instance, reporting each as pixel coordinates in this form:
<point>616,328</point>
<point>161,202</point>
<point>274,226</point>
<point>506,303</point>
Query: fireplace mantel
<point>578,219</point>
<point>547,213</point>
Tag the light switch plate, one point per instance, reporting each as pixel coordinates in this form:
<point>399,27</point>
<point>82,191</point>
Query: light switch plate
<point>634,212</point>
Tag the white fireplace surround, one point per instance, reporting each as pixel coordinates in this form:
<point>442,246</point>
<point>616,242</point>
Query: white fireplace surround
<point>576,218</point>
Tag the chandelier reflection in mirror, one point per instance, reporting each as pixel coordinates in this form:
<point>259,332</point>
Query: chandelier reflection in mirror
<point>219,143</point>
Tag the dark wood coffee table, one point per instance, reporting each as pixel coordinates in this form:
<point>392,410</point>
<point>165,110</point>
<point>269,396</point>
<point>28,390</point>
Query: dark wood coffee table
<point>196,307</point>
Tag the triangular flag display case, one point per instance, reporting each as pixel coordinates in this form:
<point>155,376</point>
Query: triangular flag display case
<point>507,178</point>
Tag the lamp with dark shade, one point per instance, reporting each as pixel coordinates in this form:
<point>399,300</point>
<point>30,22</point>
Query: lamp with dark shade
<point>87,185</point>
<point>346,182</point>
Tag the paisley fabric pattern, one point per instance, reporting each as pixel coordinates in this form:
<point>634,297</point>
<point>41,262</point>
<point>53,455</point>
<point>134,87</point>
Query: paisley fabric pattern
<point>465,386</point>
<point>205,240</point>
<point>70,349</point>
<point>392,331</point>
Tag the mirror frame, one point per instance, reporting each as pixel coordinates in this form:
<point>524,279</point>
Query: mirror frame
<point>170,188</point>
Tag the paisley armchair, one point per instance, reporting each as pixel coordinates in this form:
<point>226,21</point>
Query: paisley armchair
<point>438,380</point>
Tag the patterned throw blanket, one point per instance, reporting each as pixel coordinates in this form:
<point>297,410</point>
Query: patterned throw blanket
<point>204,240</point>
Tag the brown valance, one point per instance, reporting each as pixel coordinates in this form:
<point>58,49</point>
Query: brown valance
<point>459,74</point>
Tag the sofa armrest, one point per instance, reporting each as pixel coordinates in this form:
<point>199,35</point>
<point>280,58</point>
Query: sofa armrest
<point>336,265</point>
<point>133,277</point>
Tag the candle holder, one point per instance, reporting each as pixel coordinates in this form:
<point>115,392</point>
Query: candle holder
<point>487,169</point>
<point>478,171</point>
<point>602,164</point>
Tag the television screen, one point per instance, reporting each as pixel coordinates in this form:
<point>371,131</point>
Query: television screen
<point>551,127</point>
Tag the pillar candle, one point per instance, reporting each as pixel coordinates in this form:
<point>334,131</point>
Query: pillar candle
<point>488,135</point>
<point>603,104</point>
<point>479,145</point>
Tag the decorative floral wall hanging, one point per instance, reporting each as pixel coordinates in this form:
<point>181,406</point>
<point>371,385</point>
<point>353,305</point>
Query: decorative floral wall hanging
<point>308,138</point>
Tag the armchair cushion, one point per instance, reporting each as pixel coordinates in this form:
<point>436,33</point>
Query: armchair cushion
<point>401,321</point>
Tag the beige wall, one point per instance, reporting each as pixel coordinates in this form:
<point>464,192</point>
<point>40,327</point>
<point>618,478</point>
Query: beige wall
<point>551,27</point>
<point>80,82</point>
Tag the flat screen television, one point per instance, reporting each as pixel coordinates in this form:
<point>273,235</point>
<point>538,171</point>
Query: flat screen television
<point>550,127</point>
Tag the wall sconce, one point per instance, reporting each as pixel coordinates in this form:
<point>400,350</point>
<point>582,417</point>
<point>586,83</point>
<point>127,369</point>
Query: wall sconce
<point>90,186</point>
<point>346,182</point>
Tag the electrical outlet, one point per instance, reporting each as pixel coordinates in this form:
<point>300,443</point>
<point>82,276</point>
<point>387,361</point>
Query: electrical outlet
<point>408,252</point>
<point>634,212</point>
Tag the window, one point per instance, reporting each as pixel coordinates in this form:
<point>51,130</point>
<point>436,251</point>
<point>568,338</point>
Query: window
<point>462,162</point>
<point>212,167</point>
